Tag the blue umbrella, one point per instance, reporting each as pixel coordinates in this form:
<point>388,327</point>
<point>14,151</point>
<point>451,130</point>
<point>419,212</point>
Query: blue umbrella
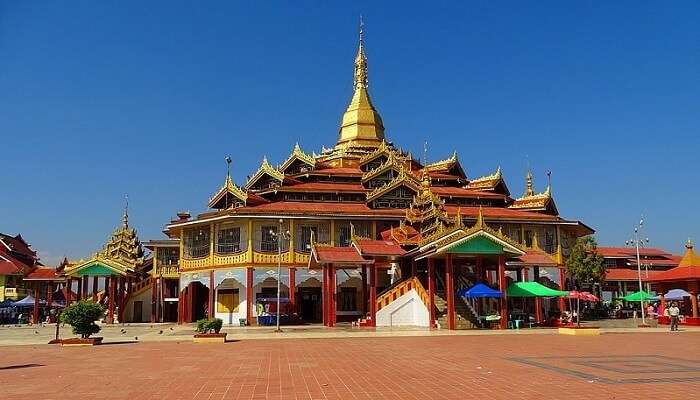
<point>480,291</point>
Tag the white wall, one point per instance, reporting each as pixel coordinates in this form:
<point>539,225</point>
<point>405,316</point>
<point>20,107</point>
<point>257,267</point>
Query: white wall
<point>145,298</point>
<point>232,318</point>
<point>407,310</point>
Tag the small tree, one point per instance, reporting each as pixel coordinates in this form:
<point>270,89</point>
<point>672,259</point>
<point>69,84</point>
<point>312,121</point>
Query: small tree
<point>209,325</point>
<point>82,316</point>
<point>584,263</point>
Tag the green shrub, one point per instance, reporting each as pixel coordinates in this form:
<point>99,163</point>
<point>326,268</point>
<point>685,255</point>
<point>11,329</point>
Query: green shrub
<point>82,316</point>
<point>209,325</point>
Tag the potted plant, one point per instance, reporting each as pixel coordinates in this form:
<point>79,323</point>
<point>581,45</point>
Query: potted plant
<point>82,316</point>
<point>208,331</point>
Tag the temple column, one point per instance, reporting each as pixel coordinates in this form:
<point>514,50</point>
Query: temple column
<point>249,296</point>
<point>373,295</point>
<point>292,289</point>
<point>538,300</point>
<point>79,294</point>
<point>479,270</point>
<point>49,294</point>
<point>502,288</point>
<point>331,295</point>
<point>210,308</point>
<point>86,283</point>
<point>324,296</point>
<point>154,299</point>
<point>68,294</point>
<point>94,288</point>
<point>180,306</point>
<point>562,279</point>
<point>693,290</point>
<point>431,292</point>
<point>110,308</point>
<point>450,292</point>
<point>35,311</point>
<point>364,290</point>
<point>121,299</point>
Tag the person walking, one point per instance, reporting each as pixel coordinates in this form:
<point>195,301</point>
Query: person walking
<point>674,312</point>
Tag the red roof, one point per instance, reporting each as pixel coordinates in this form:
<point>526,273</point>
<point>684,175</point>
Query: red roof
<point>624,274</point>
<point>631,252</point>
<point>335,171</point>
<point>310,208</point>
<point>321,187</point>
<point>337,255</point>
<point>9,265</point>
<point>688,268</point>
<point>462,192</point>
<point>498,213</point>
<point>43,274</point>
<point>17,244</point>
<point>379,248</point>
<point>534,257</point>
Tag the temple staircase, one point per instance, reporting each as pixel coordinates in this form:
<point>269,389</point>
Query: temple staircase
<point>400,304</point>
<point>465,318</point>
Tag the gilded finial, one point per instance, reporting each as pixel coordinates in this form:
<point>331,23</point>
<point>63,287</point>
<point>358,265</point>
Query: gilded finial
<point>480,218</point>
<point>126,211</point>
<point>529,191</point>
<point>361,60</point>
<point>458,217</point>
<point>689,244</point>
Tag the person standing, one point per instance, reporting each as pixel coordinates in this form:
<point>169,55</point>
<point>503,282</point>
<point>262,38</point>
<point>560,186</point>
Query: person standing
<point>674,312</point>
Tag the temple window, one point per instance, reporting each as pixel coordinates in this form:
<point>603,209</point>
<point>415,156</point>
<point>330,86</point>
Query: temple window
<point>231,239</point>
<point>266,238</point>
<point>401,197</point>
<point>302,236</point>
<point>550,245</point>
<point>343,231</point>
<point>197,242</point>
<point>166,256</point>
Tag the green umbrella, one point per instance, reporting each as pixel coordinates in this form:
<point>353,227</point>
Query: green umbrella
<point>638,296</point>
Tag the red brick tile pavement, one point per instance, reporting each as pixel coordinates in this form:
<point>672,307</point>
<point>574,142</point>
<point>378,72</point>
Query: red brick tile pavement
<point>446,367</point>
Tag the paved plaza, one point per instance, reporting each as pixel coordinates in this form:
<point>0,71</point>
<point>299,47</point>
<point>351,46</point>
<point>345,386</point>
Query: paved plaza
<point>661,365</point>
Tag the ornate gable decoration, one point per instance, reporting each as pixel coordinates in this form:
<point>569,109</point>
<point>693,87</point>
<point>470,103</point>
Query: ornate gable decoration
<point>220,199</point>
<point>447,164</point>
<point>393,161</point>
<point>405,178</point>
<point>265,169</point>
<point>486,181</point>
<point>535,201</point>
<point>383,149</point>
<point>298,155</point>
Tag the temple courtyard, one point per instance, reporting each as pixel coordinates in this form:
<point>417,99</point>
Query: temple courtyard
<point>381,365</point>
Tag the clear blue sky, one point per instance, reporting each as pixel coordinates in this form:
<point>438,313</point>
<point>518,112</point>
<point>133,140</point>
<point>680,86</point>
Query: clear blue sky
<point>99,99</point>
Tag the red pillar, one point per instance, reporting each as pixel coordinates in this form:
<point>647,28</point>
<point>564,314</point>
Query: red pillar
<point>364,290</point>
<point>49,294</point>
<point>450,292</point>
<point>180,305</point>
<point>693,290</point>
<point>292,289</point>
<point>120,299</point>
<point>431,291</point>
<point>210,309</point>
<point>86,283</point>
<point>538,300</point>
<point>502,288</point>
<point>324,296</point>
<point>35,312</point>
<point>154,299</point>
<point>373,294</point>
<point>80,289</point>
<point>94,288</point>
<point>110,308</point>
<point>249,296</point>
<point>562,279</point>
<point>331,295</point>
<point>68,291</point>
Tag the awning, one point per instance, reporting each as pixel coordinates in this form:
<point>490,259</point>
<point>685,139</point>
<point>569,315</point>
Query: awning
<point>533,289</point>
<point>480,291</point>
<point>638,296</point>
<point>676,294</point>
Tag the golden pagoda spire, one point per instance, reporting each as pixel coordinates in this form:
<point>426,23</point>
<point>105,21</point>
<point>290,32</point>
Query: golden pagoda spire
<point>126,211</point>
<point>529,191</point>
<point>361,124</point>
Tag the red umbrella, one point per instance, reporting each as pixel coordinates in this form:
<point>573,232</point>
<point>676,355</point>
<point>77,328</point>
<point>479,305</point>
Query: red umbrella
<point>589,296</point>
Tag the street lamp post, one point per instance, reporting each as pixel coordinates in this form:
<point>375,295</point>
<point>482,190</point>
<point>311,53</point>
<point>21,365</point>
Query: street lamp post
<point>636,241</point>
<point>280,236</point>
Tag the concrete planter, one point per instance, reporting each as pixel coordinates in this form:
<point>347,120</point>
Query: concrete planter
<point>580,331</point>
<point>94,341</point>
<point>209,338</point>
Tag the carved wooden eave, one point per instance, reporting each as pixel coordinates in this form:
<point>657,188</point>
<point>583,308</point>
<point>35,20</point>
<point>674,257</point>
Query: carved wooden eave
<point>448,164</point>
<point>536,202</point>
<point>404,179</point>
<point>228,188</point>
<point>393,162</point>
<point>265,169</point>
<point>298,154</point>
<point>384,148</point>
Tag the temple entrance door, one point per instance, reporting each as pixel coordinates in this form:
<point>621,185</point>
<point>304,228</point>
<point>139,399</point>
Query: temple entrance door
<point>138,311</point>
<point>200,301</point>
<point>309,304</point>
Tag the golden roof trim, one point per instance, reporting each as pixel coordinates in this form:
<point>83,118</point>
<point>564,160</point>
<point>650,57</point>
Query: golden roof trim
<point>438,165</point>
<point>403,177</point>
<point>392,161</point>
<point>228,187</point>
<point>298,154</point>
<point>265,168</point>
<point>496,176</point>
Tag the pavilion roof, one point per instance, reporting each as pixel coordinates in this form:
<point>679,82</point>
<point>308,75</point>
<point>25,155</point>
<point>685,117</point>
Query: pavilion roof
<point>323,254</point>
<point>388,248</point>
<point>688,268</point>
<point>625,274</point>
<point>535,257</point>
<point>44,274</point>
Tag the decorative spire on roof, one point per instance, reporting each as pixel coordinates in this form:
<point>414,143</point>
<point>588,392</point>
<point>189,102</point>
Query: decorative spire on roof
<point>126,211</point>
<point>298,154</point>
<point>221,199</point>
<point>123,246</point>
<point>265,169</point>
<point>361,125</point>
<point>528,184</point>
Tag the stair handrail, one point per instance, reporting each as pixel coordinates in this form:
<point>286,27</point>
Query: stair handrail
<point>399,290</point>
